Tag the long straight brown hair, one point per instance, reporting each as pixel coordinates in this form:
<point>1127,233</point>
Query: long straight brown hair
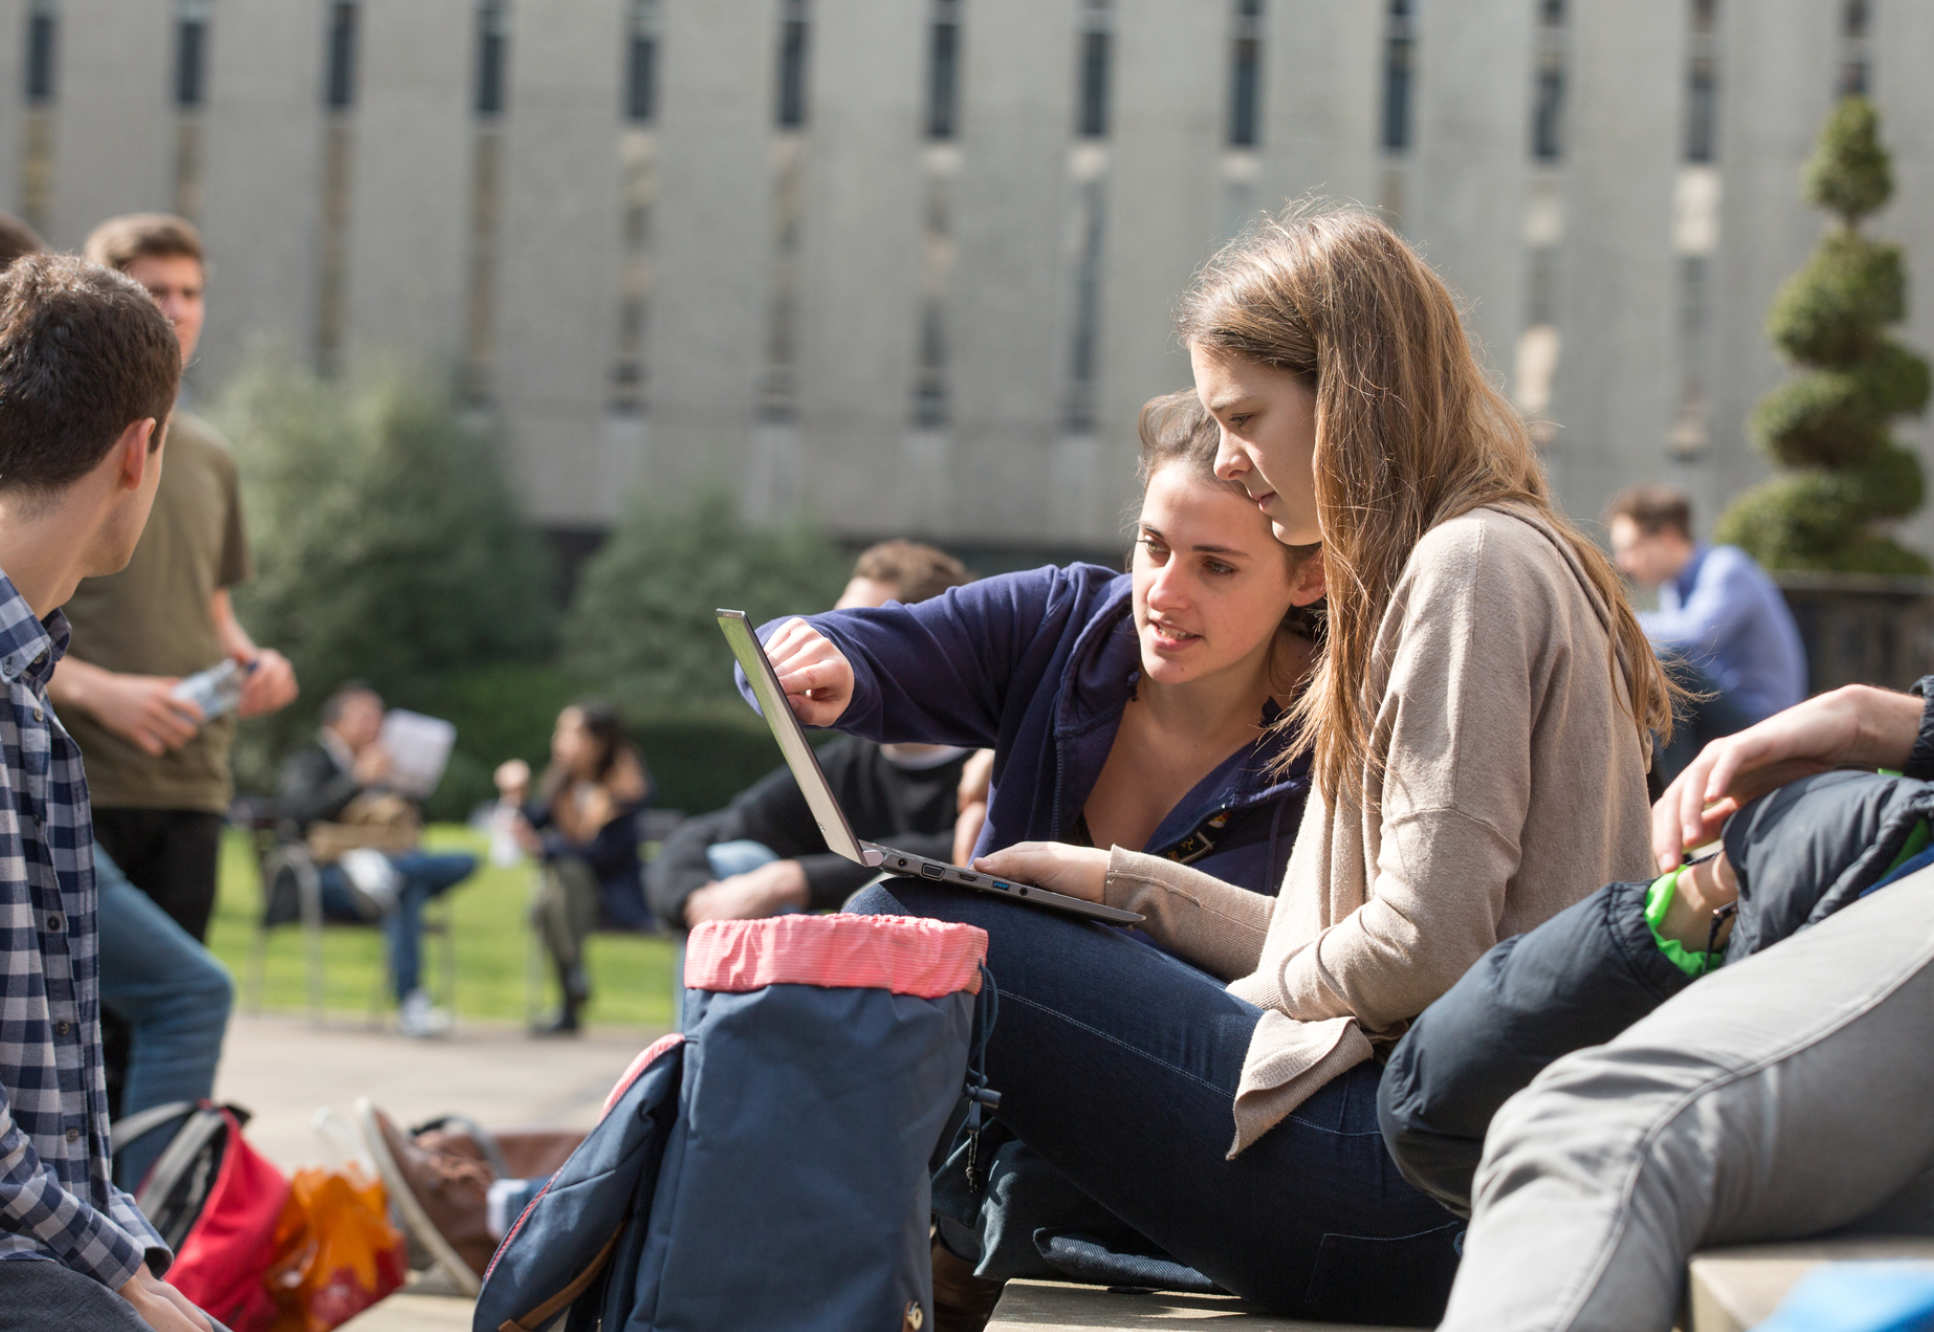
<point>1409,433</point>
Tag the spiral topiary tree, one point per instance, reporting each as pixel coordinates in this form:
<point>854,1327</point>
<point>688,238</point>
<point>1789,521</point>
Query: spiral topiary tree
<point>1843,478</point>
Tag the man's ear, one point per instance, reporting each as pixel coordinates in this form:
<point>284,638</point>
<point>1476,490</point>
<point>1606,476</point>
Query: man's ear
<point>1307,586</point>
<point>132,455</point>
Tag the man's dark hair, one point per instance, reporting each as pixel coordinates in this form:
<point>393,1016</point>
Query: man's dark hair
<point>1653,509</point>
<point>84,354</point>
<point>913,570</point>
<point>17,239</point>
<point>332,707</point>
<point>119,241</point>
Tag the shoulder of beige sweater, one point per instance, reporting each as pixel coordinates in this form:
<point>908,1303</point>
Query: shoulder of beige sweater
<point>1499,555</point>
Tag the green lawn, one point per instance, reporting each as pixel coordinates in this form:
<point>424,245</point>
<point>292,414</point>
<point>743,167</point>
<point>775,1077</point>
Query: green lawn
<point>631,974</point>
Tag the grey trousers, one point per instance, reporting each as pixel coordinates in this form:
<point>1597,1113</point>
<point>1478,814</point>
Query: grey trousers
<point>38,1296</point>
<point>1785,1096</point>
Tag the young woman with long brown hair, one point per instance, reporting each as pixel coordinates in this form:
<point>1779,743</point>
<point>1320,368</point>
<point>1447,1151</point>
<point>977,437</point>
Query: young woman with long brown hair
<point>582,824</point>
<point>1477,720</point>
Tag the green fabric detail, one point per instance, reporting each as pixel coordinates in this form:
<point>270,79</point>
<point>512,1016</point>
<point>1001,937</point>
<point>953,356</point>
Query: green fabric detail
<point>1658,900</point>
<point>1916,843</point>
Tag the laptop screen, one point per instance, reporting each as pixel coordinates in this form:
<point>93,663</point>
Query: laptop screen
<point>791,737</point>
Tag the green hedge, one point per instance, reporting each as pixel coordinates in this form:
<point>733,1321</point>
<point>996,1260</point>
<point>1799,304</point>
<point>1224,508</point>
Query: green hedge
<point>699,757</point>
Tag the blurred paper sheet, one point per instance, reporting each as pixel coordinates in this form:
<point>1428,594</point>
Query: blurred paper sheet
<point>418,748</point>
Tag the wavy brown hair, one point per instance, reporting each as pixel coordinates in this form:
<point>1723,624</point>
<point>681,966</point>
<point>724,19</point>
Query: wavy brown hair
<point>1409,433</point>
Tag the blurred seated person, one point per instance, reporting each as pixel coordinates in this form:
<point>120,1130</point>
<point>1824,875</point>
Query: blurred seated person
<point>582,824</point>
<point>1721,626</point>
<point>365,838</point>
<point>763,854</point>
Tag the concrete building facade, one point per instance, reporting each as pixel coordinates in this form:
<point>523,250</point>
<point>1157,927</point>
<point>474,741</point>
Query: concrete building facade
<point>895,265</point>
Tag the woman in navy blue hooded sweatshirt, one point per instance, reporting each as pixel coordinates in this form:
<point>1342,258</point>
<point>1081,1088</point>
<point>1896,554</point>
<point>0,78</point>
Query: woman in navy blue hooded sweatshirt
<point>1128,709</point>
<point>1122,708</point>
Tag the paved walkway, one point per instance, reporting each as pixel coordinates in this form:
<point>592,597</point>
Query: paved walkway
<point>285,1070</point>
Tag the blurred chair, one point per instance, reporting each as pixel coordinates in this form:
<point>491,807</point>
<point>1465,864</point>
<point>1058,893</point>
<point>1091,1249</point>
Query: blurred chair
<point>291,894</point>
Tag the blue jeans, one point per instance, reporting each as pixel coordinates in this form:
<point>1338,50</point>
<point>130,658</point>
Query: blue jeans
<point>426,875</point>
<point>175,998</point>
<point>1118,1063</point>
<point>44,1296</point>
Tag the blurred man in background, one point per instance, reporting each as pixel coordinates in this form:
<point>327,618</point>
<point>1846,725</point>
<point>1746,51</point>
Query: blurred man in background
<point>1719,616</point>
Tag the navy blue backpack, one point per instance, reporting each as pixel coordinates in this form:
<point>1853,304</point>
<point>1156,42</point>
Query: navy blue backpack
<point>769,1169</point>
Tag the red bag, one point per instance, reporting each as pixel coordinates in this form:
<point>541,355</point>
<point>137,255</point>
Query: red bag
<point>216,1202</point>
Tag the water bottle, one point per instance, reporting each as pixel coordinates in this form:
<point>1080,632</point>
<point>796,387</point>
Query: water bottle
<point>216,690</point>
<point>504,849</point>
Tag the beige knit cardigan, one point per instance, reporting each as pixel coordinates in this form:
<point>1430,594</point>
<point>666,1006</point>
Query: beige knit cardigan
<point>1512,784</point>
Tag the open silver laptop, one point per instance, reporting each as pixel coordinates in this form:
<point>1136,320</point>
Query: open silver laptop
<point>838,833</point>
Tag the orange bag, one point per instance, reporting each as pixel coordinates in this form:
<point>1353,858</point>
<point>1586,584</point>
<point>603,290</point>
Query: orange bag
<point>337,1253</point>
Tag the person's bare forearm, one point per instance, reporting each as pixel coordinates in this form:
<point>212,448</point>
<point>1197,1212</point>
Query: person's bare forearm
<point>75,683</point>
<point>1889,724</point>
<point>229,632</point>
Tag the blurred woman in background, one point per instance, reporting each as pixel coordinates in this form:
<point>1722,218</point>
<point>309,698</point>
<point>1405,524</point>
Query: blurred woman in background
<point>582,824</point>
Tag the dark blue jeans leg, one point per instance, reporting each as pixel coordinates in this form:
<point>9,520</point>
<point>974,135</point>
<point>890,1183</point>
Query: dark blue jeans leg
<point>43,1296</point>
<point>1119,1064</point>
<point>426,875</point>
<point>175,998</point>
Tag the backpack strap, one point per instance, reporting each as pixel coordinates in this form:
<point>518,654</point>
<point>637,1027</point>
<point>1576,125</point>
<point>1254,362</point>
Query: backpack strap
<point>202,1124</point>
<point>537,1319</point>
<point>133,1127</point>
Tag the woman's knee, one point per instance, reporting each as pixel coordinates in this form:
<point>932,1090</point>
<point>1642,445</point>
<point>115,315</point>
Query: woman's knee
<point>885,896</point>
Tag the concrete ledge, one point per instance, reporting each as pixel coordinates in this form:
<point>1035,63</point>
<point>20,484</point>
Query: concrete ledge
<point>1047,1306</point>
<point>407,1312</point>
<point>1731,1290</point>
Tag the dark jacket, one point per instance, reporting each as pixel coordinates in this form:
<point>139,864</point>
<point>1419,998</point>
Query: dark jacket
<point>611,854</point>
<point>314,788</point>
<point>909,809</point>
<point>1038,666</point>
<point>1800,853</point>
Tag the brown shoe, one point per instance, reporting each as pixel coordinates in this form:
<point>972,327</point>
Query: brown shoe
<point>513,1154</point>
<point>962,1302</point>
<point>441,1197</point>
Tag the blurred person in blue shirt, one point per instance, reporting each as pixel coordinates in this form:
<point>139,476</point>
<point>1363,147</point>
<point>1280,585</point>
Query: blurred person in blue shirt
<point>1721,622</point>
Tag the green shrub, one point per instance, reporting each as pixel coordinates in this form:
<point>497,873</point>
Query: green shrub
<point>1889,484</point>
<point>641,629</point>
<point>1849,173</point>
<point>1830,423</point>
<point>1819,417</point>
<point>699,758</point>
<point>1831,311</point>
<point>388,547</point>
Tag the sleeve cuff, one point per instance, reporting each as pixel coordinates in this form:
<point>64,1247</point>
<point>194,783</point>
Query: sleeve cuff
<point>1920,762</point>
<point>110,1255</point>
<point>1658,900</point>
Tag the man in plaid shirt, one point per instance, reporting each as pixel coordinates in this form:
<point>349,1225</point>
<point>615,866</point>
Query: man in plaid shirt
<point>88,371</point>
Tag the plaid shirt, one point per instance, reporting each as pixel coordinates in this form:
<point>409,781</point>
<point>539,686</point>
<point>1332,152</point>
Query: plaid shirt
<point>57,1199</point>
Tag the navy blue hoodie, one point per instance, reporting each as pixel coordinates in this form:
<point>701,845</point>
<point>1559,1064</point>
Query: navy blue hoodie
<point>1038,666</point>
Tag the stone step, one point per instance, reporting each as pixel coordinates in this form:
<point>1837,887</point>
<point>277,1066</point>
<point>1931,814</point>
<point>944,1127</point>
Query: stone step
<point>406,1311</point>
<point>1735,1289</point>
<point>1052,1306</point>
